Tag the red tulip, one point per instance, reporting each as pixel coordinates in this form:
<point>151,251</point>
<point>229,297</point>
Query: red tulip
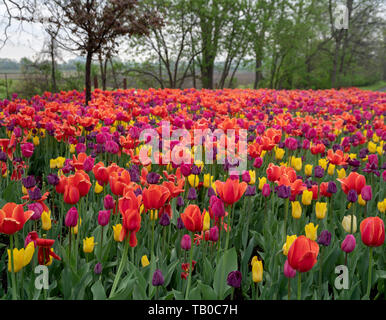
<point>303,254</point>
<point>372,231</point>
<point>131,223</point>
<point>13,217</point>
<point>354,181</point>
<point>155,196</point>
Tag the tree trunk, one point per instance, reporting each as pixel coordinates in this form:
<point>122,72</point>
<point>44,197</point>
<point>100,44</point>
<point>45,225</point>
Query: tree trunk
<point>258,73</point>
<point>207,70</point>
<point>53,69</point>
<point>335,64</point>
<point>88,77</point>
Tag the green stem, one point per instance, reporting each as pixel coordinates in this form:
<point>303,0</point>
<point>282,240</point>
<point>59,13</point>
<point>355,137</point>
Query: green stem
<point>190,268</point>
<point>229,227</point>
<point>285,218</point>
<point>299,286</point>
<point>120,268</point>
<point>370,267</point>
<point>14,289</point>
<point>320,272</point>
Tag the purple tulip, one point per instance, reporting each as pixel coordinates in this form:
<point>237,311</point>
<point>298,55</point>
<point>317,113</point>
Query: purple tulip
<point>158,278</point>
<point>217,206</point>
<point>52,179</point>
<point>366,193</point>
<point>186,242</point>
<point>108,202</point>
<point>29,182</point>
<point>283,191</point>
<point>72,216</point>
<point>152,177</point>
<point>324,238</point>
<point>192,194</point>
<point>34,194</point>
<point>104,217</point>
<point>98,268</point>
<point>319,172</point>
<point>352,196</point>
<point>266,191</point>
<point>164,220</point>
<point>348,244</point>
<point>88,164</point>
<point>251,191</point>
<point>180,224</point>
<point>213,234</point>
<point>289,272</point>
<point>234,279</point>
<point>37,208</point>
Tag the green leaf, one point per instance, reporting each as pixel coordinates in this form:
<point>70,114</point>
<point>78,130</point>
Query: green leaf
<point>207,291</point>
<point>98,291</point>
<point>227,263</point>
<point>380,274</point>
<point>194,294</point>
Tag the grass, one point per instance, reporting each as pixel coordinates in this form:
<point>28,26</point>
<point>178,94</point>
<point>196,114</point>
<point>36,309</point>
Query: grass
<point>375,87</point>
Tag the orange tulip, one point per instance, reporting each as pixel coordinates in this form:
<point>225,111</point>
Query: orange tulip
<point>231,191</point>
<point>354,181</point>
<point>118,181</point>
<point>337,158</point>
<point>192,218</point>
<point>155,196</point>
<point>13,217</point>
<point>273,172</point>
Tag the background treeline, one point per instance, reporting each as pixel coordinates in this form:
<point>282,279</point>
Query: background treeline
<point>279,44</point>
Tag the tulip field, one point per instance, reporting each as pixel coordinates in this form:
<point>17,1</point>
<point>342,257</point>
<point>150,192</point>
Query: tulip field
<point>91,208</point>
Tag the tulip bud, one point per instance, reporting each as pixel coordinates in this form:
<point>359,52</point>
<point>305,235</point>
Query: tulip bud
<point>98,268</point>
<point>257,270</point>
<point>213,234</point>
<point>246,176</point>
<point>180,224</point>
<point>321,209</point>
<point>46,220</point>
<point>296,209</point>
<point>164,220</point>
<point>289,272</point>
<point>144,261</point>
<point>352,196</point>
<point>186,242</point>
<point>108,202</point>
<point>217,206</point>
<point>308,170</point>
<point>258,162</point>
<point>71,217</point>
<point>206,222</point>
<point>346,224</point>
<point>324,238</point>
<point>331,188</point>
<point>104,217</point>
<point>158,279</point>
<point>117,231</point>
<point>266,190</point>
<point>348,244</point>
<point>366,193</point>
<point>192,194</point>
<point>234,279</point>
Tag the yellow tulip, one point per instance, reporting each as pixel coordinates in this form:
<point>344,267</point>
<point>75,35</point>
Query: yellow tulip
<point>321,209</point>
<point>52,163</point>
<point>380,150</point>
<point>308,170</point>
<point>117,231</point>
<point>145,261</point>
<point>296,163</point>
<point>206,222</point>
<point>375,138</point>
<point>353,156</point>
<point>262,182</point>
<point>208,180</point>
<point>311,231</point>
<point>72,148</point>
<point>257,270</point>
<point>98,188</point>
<point>35,141</point>
<point>193,180</point>
<point>346,224</point>
<point>382,206</point>
<point>21,257</point>
<point>331,169</point>
<point>323,163</point>
<point>18,260</point>
<point>288,243</point>
<point>46,220</point>
<point>296,209</point>
<point>88,244</point>
<point>361,201</point>
<point>252,174</point>
<point>341,173</point>
<point>307,197</point>
<point>372,147</point>
<point>60,162</point>
<point>279,153</point>
<point>24,190</point>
